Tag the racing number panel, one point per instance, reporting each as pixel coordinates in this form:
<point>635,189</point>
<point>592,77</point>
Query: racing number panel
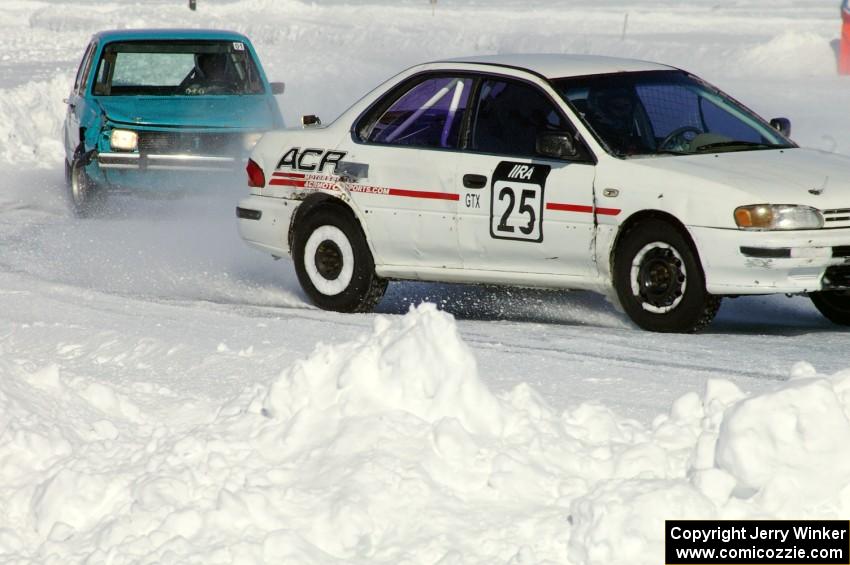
<point>516,201</point>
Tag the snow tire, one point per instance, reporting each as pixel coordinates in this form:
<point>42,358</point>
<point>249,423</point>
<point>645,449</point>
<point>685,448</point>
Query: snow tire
<point>333,262</point>
<point>834,305</point>
<point>659,279</point>
<point>85,197</point>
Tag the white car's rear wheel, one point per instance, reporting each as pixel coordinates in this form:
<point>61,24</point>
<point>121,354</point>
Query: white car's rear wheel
<point>333,262</point>
<point>659,280</point>
<point>329,260</point>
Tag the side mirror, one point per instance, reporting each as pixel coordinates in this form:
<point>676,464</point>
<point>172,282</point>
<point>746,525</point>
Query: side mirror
<point>310,121</point>
<point>278,87</point>
<point>783,125</point>
<point>556,145</point>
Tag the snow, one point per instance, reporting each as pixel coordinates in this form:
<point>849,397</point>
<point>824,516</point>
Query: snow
<point>31,129</point>
<point>167,395</point>
<point>390,448</point>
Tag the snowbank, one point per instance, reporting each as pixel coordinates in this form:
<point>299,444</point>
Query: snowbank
<point>391,449</point>
<point>31,128</point>
<point>781,454</point>
<point>791,54</point>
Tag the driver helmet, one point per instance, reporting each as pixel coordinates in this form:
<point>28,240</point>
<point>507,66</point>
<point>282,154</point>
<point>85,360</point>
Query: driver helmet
<point>613,107</point>
<point>211,66</point>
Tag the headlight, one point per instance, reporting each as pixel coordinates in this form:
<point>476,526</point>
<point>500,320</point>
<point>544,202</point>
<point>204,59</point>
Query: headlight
<point>250,140</point>
<point>124,140</point>
<point>778,217</point>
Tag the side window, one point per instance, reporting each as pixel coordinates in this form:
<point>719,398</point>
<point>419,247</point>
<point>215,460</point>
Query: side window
<point>103,79</point>
<point>83,72</point>
<point>509,116</point>
<point>429,114</point>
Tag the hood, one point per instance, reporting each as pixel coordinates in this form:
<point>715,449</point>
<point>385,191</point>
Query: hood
<point>787,176</point>
<point>247,112</point>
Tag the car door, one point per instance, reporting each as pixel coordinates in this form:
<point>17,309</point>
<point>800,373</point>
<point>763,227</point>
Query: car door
<point>518,211</point>
<point>76,102</point>
<point>409,141</point>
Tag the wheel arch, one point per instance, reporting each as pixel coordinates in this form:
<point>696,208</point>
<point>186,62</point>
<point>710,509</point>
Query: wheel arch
<point>696,308</point>
<point>646,215</point>
<point>320,201</point>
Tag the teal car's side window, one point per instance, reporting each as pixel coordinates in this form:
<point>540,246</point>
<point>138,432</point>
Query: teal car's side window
<point>83,71</point>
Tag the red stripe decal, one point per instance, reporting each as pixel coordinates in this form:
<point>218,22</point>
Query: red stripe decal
<point>608,211</point>
<point>582,208</point>
<point>289,175</point>
<point>569,207</point>
<point>424,194</point>
<point>287,182</point>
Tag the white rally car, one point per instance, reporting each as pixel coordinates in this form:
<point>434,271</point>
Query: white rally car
<point>555,171</point>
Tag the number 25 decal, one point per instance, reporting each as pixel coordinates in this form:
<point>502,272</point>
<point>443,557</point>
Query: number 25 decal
<point>507,193</point>
<point>516,201</point>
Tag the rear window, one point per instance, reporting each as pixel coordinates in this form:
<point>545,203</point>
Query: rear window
<point>176,68</point>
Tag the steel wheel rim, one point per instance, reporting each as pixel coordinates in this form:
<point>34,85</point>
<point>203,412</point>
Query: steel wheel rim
<point>658,277</point>
<point>79,185</point>
<point>329,260</point>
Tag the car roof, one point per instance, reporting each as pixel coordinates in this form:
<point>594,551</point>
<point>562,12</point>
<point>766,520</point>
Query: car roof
<point>167,33</point>
<point>553,65</point>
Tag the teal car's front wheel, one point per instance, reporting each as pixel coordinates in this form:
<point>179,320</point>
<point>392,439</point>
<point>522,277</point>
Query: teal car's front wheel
<point>84,195</point>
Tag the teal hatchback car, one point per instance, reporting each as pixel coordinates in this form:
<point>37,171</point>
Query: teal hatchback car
<point>155,109</point>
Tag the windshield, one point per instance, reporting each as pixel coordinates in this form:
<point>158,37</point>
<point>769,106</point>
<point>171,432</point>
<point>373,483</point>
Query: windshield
<point>176,68</point>
<point>665,112</point>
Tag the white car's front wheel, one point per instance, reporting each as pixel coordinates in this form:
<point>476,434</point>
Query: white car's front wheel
<point>834,305</point>
<point>659,280</point>
<point>333,262</point>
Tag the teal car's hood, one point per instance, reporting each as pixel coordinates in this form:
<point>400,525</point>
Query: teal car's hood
<point>247,112</point>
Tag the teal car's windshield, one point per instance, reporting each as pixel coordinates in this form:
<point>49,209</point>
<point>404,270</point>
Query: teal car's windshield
<point>665,112</point>
<point>176,68</point>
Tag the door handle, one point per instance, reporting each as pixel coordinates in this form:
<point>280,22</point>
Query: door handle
<point>474,181</point>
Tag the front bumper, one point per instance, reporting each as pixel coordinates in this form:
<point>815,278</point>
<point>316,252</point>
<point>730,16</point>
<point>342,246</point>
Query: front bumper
<point>769,262</point>
<point>178,162</point>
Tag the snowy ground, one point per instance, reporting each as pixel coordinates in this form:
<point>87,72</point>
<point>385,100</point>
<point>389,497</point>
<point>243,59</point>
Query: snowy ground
<point>164,399</point>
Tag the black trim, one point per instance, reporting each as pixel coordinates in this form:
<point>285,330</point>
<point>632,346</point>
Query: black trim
<point>503,65</point>
<point>841,251</point>
<point>836,278</point>
<point>765,253</point>
<point>88,157</point>
<point>466,124</point>
<point>248,214</point>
